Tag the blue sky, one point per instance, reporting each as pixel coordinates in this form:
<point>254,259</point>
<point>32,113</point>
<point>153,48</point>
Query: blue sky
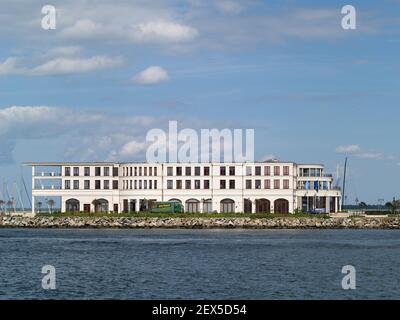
<point>312,91</point>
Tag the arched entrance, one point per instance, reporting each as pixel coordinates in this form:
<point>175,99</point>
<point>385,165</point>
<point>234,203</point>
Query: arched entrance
<point>247,206</point>
<point>207,206</point>
<point>100,205</point>
<point>227,205</point>
<point>281,206</point>
<point>263,206</point>
<point>72,205</point>
<point>175,200</point>
<point>193,205</point>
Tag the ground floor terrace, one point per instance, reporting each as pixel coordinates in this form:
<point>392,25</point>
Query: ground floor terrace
<point>277,204</point>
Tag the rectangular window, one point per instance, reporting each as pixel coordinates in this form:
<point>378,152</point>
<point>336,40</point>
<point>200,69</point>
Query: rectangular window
<point>231,184</point>
<point>155,172</point>
<point>135,184</point>
<point>258,184</point>
<point>222,171</point>
<point>115,184</point>
<point>188,171</point>
<point>86,184</point>
<point>277,171</point>
<point>277,184</point>
<point>169,171</point>
<point>97,184</point>
<point>145,171</point>
<point>115,172</point>
<point>135,169</point>
<point>188,184</point>
<point>140,171</point>
<point>145,184</point>
<point>206,171</point>
<point>197,184</point>
<point>179,184</point>
<point>169,184</point>
<point>150,171</point>
<point>140,184</point>
<point>222,184</point>
<point>258,171</point>
<point>106,171</point>
<point>286,184</point>
<point>76,184</point>
<point>248,184</point>
<point>106,184</point>
<point>97,172</point>
<point>196,171</point>
<point>285,170</point>
<point>155,184</point>
<point>231,171</point>
<point>248,171</point>
<point>150,183</point>
<point>267,171</point>
<point>67,171</point>
<point>130,171</point>
<point>67,184</point>
<point>178,171</point>
<point>86,171</point>
<point>206,184</point>
<point>267,184</point>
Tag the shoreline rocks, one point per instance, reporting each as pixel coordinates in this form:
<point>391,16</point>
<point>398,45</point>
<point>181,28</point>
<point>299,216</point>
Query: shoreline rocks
<point>200,223</point>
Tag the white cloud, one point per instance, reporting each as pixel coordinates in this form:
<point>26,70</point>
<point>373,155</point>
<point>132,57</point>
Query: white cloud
<point>358,152</point>
<point>75,65</point>
<point>9,67</point>
<point>348,149</point>
<point>64,51</point>
<point>228,6</point>
<point>151,31</point>
<point>132,148</point>
<point>151,75</point>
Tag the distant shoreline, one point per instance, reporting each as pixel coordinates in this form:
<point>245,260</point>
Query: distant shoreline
<point>200,223</point>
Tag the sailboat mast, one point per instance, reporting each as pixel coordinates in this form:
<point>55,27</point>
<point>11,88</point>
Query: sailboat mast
<point>344,181</point>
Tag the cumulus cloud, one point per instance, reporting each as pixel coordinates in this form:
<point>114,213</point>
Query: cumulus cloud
<point>95,136</point>
<point>151,75</point>
<point>151,31</point>
<point>64,51</point>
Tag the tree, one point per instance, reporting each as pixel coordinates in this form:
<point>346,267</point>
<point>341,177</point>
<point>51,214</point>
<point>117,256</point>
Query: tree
<point>50,204</point>
<point>39,205</point>
<point>10,205</point>
<point>392,205</point>
<point>2,205</point>
<point>95,203</point>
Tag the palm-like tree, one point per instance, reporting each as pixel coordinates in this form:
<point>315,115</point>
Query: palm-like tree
<point>50,203</point>
<point>39,205</point>
<point>392,205</point>
<point>95,203</point>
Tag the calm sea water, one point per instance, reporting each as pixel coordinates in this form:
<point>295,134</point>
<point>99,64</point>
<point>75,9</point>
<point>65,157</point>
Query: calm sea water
<point>199,264</point>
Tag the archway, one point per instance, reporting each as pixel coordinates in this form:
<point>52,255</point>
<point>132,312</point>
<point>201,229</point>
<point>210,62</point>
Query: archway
<point>263,206</point>
<point>227,205</point>
<point>193,205</point>
<point>100,205</point>
<point>281,206</point>
<point>175,200</point>
<point>207,206</point>
<point>72,205</point>
<point>247,206</point>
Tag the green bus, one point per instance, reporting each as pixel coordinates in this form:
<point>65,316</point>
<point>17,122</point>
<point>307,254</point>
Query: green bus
<point>166,207</point>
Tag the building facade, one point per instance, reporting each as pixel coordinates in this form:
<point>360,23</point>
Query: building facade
<point>276,187</point>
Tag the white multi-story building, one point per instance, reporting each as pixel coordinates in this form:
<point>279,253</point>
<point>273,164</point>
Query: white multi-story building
<point>277,187</point>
